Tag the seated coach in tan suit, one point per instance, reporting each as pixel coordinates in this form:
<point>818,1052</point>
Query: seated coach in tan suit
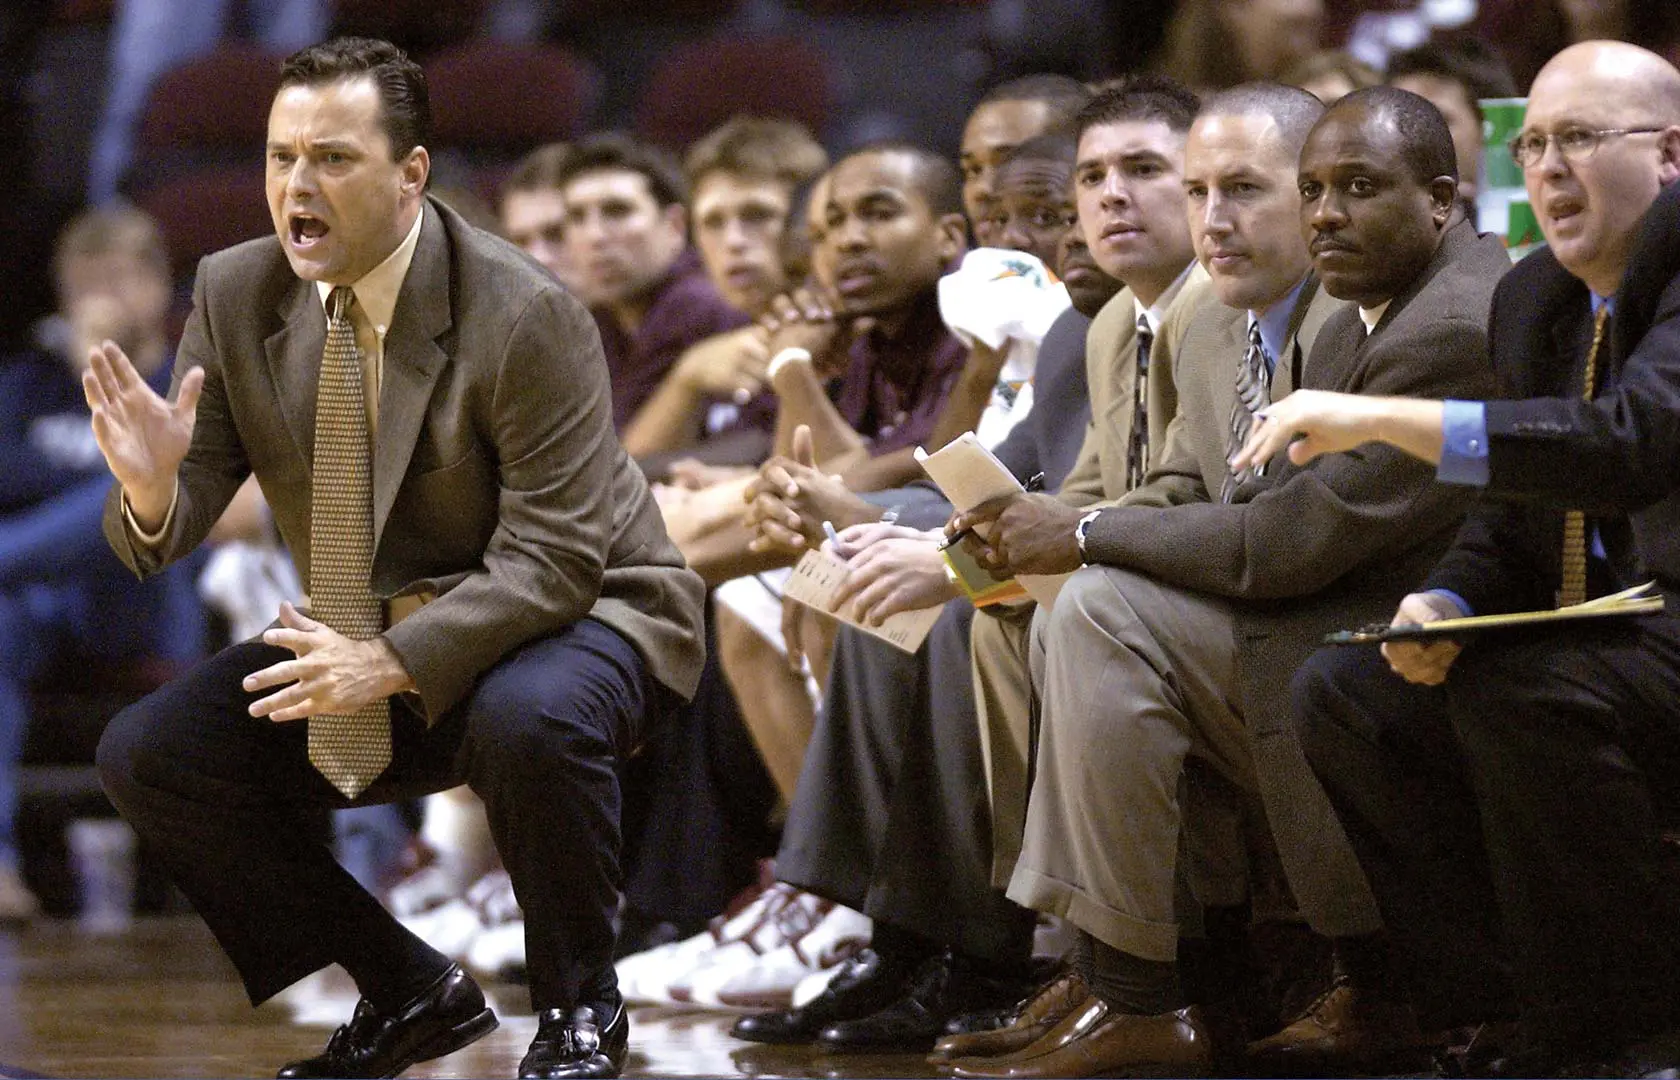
<point>493,599</point>
<point>1173,646</point>
<point>1129,187</point>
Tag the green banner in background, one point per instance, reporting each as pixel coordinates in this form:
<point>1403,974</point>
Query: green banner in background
<point>1502,202</point>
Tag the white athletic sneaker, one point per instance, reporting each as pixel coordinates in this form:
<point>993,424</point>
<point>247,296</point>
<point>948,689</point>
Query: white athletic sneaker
<point>448,928</point>
<point>789,916</point>
<point>769,982</point>
<point>498,952</point>
<point>646,977</point>
<point>17,902</point>
<point>812,985</point>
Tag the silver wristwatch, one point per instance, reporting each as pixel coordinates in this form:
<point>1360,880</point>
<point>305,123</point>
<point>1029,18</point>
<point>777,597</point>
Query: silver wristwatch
<point>1081,530</point>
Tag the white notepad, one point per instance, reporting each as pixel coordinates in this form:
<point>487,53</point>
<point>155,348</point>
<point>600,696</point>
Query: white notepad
<point>816,578</point>
<point>969,474</point>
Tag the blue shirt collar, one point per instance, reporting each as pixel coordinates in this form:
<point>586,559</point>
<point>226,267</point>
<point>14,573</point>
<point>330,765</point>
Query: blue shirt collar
<point>1601,301</point>
<point>1274,322</point>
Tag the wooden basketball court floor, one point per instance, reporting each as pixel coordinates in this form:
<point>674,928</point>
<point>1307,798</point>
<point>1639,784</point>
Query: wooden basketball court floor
<point>159,1000</point>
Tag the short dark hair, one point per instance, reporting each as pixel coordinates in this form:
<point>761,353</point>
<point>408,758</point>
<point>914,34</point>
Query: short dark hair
<point>1143,97</point>
<point>539,170</point>
<point>1426,144</point>
<point>405,105</point>
<point>1464,59</point>
<point>1063,95</point>
<point>1294,109</point>
<point>620,153</point>
<point>755,148</point>
<point>937,180</point>
<point>1050,146</point>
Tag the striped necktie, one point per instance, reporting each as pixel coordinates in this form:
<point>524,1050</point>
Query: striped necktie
<point>1254,389</point>
<point>349,750</point>
<point>1137,443</point>
<point>1574,588</point>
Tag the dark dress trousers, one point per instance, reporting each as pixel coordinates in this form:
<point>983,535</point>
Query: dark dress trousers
<point>1514,813</point>
<point>891,816</point>
<point>563,621</point>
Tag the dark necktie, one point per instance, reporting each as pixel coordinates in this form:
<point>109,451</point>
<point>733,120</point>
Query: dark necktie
<point>1574,588</point>
<point>349,750</point>
<point>1254,388</point>
<point>1137,443</point>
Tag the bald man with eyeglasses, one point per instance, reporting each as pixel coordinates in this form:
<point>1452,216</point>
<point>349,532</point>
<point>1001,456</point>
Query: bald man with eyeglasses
<point>1506,793</point>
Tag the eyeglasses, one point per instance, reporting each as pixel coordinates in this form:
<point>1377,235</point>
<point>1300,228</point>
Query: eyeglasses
<point>1575,144</point>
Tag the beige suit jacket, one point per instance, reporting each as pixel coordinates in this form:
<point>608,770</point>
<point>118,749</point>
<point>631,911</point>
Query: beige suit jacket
<point>1203,354</point>
<point>1098,476</point>
<point>498,484</point>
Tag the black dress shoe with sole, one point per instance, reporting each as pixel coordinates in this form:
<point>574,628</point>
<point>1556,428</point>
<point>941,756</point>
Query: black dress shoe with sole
<point>865,984</point>
<point>575,1044</point>
<point>446,1016</point>
<point>942,988</point>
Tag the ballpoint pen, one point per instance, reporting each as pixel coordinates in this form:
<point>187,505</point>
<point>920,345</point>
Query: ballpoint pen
<point>1034,484</point>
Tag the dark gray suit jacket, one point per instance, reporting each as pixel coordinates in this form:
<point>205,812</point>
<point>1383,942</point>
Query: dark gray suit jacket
<point>1306,550</point>
<point>498,484</point>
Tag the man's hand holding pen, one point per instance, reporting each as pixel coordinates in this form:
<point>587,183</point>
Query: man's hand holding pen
<point>1025,532</point>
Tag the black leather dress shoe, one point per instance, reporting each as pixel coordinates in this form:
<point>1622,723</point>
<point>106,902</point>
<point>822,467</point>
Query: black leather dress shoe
<point>575,1044</point>
<point>942,988</point>
<point>446,1016</point>
<point>866,983</point>
<point>975,1023</point>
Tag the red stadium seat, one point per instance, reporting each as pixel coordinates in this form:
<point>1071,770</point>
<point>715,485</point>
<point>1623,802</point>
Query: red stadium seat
<point>698,86</point>
<point>206,210</point>
<point>212,110</point>
<point>508,96</point>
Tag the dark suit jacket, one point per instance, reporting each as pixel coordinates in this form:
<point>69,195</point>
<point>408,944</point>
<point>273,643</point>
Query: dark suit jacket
<point>1616,457</point>
<point>1048,440</point>
<point>1340,540</point>
<point>498,484</point>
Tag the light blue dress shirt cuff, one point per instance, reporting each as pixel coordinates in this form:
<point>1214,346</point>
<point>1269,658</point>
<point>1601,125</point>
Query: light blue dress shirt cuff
<point>1464,443</point>
<point>1462,604</point>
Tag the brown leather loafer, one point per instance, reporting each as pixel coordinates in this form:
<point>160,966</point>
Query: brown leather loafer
<point>1095,1040</point>
<point>1346,1030</point>
<point>1033,1019</point>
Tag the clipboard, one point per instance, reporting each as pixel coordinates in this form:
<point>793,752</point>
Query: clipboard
<point>1639,600</point>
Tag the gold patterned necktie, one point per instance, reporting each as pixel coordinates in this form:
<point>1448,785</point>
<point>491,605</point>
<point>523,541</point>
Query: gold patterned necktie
<point>1137,442</point>
<point>1574,588</point>
<point>349,750</point>
<point>1254,391</point>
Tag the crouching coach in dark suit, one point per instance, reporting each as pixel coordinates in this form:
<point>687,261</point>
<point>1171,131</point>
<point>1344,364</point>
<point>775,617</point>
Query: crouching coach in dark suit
<point>1507,790</point>
<point>493,599</point>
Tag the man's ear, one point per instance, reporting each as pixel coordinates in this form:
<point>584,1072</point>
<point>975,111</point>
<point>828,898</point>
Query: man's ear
<point>1443,197</point>
<point>953,236</point>
<point>1668,149</point>
<point>416,168</point>
<point>676,218</point>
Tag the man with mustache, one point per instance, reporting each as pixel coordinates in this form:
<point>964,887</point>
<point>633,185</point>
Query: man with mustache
<point>1506,792</point>
<point>1159,667</point>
